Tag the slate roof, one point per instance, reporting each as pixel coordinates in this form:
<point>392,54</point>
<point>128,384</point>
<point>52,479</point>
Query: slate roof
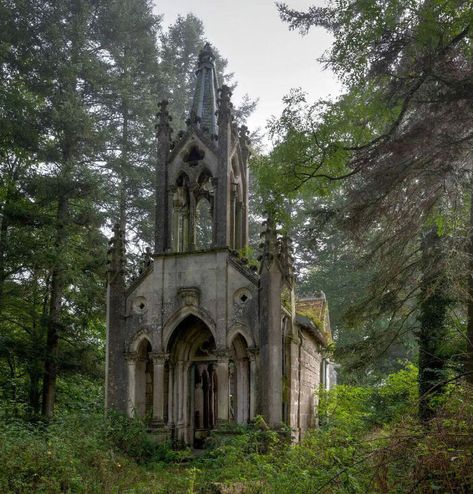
<point>204,104</point>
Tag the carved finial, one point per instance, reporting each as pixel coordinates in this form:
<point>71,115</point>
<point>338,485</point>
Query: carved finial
<point>163,127</point>
<point>245,142</point>
<point>116,251</point>
<point>146,259</point>
<point>163,106</point>
<point>269,244</point>
<point>193,120</point>
<point>225,106</point>
<point>287,258</point>
<point>244,133</point>
<point>206,55</point>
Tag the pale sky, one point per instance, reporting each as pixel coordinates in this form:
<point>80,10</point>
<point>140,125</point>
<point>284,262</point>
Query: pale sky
<point>267,59</point>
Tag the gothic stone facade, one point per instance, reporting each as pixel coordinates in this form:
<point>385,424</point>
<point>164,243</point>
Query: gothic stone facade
<point>199,338</point>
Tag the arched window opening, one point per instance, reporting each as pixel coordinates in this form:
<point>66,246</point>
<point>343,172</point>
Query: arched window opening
<point>236,218</point>
<point>192,383</point>
<point>239,374</point>
<point>203,225</point>
<point>144,381</point>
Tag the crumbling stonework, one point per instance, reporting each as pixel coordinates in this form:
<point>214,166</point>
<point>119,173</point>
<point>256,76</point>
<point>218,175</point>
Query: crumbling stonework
<point>200,338</point>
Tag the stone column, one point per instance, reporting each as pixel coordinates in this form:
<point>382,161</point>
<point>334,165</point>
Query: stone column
<point>180,392</point>
<point>223,205</point>
<point>131,359</point>
<point>239,243</point>
<point>240,392</point>
<point>173,225</point>
<point>115,365</point>
<point>214,210</point>
<point>222,386</point>
<point>199,400</point>
<point>271,344</point>
<point>163,135</point>
<point>233,218</point>
<point>252,354</point>
<point>159,360</point>
<point>171,402</point>
<point>245,387</point>
<point>185,403</point>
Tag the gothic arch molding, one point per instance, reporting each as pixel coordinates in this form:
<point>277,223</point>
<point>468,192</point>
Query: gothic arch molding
<point>179,316</point>
<point>243,331</point>
<point>139,336</point>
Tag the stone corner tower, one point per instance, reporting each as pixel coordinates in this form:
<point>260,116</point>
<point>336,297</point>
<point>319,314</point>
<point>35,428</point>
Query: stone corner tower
<point>209,162</point>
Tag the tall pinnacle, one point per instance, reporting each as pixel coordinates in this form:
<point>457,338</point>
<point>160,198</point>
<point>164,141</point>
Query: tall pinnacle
<point>204,104</point>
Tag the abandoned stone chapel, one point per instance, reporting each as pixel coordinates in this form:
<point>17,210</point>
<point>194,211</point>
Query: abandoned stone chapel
<point>201,338</point>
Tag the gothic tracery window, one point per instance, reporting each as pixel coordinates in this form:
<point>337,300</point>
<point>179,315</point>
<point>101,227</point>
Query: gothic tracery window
<point>203,222</point>
<point>203,225</point>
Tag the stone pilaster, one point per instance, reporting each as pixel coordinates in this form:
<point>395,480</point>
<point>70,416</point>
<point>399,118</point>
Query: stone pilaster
<point>223,206</point>
<point>115,367</point>
<point>159,361</point>
<point>253,356</point>
<point>271,376</point>
<point>162,212</point>
<point>131,360</point>
<point>223,359</point>
<point>171,402</point>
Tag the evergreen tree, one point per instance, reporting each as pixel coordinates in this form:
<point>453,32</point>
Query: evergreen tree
<point>398,138</point>
<point>129,36</point>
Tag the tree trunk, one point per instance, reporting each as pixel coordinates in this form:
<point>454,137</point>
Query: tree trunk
<point>469,328</point>
<point>433,329</point>
<point>122,216</point>
<point>4,225</point>
<point>55,304</point>
<point>34,394</point>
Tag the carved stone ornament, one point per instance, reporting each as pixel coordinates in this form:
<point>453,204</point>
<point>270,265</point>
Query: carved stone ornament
<point>139,305</point>
<point>189,296</point>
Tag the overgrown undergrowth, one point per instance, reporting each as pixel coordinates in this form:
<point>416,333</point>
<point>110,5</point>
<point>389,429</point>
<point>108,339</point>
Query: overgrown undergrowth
<point>369,441</point>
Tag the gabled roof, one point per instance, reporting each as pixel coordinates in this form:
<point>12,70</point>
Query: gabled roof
<point>187,136</point>
<point>312,314</point>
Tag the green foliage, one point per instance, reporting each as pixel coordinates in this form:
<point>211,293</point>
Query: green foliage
<point>369,441</point>
<point>131,437</point>
<point>359,409</point>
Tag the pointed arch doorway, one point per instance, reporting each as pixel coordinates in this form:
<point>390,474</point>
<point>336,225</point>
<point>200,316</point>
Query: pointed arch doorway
<point>193,382</point>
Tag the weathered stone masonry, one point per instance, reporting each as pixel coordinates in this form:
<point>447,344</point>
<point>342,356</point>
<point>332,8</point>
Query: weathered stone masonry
<point>199,338</point>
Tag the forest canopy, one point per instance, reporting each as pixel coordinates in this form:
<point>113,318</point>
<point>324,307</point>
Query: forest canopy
<point>374,187</point>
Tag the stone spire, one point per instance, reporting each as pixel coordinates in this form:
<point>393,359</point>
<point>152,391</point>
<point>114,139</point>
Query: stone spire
<point>204,104</point>
<point>287,259</point>
<point>269,244</point>
<point>244,142</point>
<point>116,258</point>
<point>115,370</point>
<point>270,288</point>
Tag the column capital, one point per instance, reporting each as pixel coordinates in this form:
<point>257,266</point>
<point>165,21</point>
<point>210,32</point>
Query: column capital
<point>222,354</point>
<point>159,357</point>
<point>131,357</point>
<point>253,352</point>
